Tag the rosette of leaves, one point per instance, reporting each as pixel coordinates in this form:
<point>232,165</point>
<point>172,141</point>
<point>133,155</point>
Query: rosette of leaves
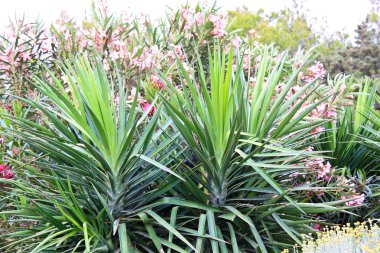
<point>244,143</point>
<point>98,166</point>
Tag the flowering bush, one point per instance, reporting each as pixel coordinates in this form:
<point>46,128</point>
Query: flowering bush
<point>124,42</point>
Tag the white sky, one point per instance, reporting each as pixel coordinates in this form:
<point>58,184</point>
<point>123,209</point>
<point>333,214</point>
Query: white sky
<point>338,15</point>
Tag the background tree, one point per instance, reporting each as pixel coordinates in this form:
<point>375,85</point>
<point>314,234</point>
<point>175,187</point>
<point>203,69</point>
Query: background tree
<point>287,29</point>
<point>361,58</point>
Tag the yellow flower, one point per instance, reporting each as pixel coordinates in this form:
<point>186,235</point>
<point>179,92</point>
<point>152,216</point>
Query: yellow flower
<point>361,237</point>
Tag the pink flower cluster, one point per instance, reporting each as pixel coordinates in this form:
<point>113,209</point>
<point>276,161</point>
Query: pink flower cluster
<point>156,82</point>
<point>316,70</point>
<point>246,61</point>
<point>189,17</point>
<point>147,60</point>
<point>236,41</point>
<point>127,42</point>
<point>219,22</point>
<point>357,199</point>
<point>190,21</point>
<point>116,44</point>
<point>324,110</point>
<point>176,53</point>
<point>6,172</point>
<point>24,47</point>
<point>292,91</point>
<point>145,105</point>
<point>318,168</point>
<point>199,18</point>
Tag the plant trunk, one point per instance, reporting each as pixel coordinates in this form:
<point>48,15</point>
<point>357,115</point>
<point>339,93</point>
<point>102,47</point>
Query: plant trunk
<point>218,195</point>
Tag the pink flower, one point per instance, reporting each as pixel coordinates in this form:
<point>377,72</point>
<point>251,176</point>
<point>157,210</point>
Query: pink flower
<point>331,114</point>
<point>3,167</point>
<point>279,87</point>
<point>8,174</point>
<point>320,194</point>
<point>186,13</point>
<point>187,26</point>
<point>178,52</point>
<point>25,56</point>
<point>316,70</point>
<point>251,32</point>
<point>106,66</point>
<point>246,61</point>
<point>317,130</point>
<point>319,167</point>
<point>219,26</point>
<point>199,18</point>
<point>156,82</point>
<point>358,200</point>
<point>324,170</point>
<point>295,174</point>
<point>236,41</point>
<point>316,227</point>
<point>133,94</point>
<point>324,110</point>
<point>15,151</point>
<point>342,88</point>
<point>293,90</point>
<point>309,149</point>
<point>145,106</point>
<point>5,172</point>
<point>155,50</point>
<point>189,70</point>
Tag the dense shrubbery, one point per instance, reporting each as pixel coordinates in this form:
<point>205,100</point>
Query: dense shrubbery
<point>124,135</point>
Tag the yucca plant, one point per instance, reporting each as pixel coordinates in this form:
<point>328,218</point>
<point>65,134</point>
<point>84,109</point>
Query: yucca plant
<point>344,146</point>
<point>98,165</point>
<point>343,142</point>
<point>370,113</point>
<point>244,143</point>
<point>371,139</point>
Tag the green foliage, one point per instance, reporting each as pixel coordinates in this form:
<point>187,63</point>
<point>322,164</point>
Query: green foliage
<point>97,163</point>
<point>102,181</point>
<point>156,138</point>
<point>343,139</point>
<point>240,138</point>
<point>287,29</point>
